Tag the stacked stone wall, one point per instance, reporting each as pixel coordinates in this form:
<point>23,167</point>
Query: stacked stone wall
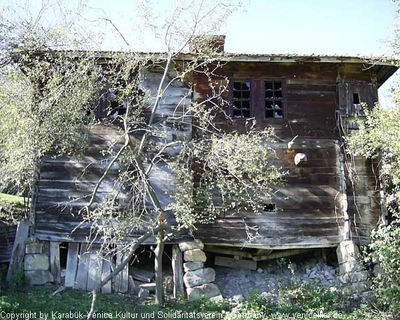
<point>198,279</point>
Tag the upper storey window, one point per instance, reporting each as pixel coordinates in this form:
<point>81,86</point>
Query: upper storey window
<point>256,98</point>
<point>241,99</point>
<point>273,99</point>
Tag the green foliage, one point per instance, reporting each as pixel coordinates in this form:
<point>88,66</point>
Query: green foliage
<point>386,250</point>
<point>12,208</point>
<point>44,99</point>
<point>305,300</point>
<point>232,172</point>
<point>379,136</point>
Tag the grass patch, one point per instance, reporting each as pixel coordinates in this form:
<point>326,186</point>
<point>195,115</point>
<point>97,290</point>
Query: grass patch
<point>11,199</point>
<point>12,208</point>
<point>73,304</point>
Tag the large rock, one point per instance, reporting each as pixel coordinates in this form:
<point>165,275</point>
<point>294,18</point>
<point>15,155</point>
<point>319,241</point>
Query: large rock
<point>198,277</point>
<point>195,255</point>
<point>191,266</point>
<point>36,262</point>
<point>190,245</point>
<point>39,277</point>
<point>34,247</point>
<point>209,290</point>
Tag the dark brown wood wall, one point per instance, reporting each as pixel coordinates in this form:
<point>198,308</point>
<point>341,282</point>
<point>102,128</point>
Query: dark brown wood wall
<point>310,206</point>
<point>309,97</point>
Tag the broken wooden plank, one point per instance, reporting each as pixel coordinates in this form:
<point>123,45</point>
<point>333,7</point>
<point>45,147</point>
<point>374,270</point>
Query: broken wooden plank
<point>72,264</point>
<point>142,275</point>
<point>177,269</point>
<point>55,267</point>
<point>148,286</point>
<point>83,268</point>
<point>18,251</point>
<point>131,285</point>
<point>237,264</point>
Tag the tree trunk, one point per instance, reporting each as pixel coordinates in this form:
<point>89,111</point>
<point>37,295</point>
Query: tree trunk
<point>159,251</point>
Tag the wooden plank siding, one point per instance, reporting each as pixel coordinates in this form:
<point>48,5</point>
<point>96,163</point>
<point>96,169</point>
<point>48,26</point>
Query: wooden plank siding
<point>66,183</point>
<point>309,207</point>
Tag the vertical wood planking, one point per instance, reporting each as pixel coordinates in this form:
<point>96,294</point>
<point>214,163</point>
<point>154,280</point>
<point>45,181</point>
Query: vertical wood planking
<point>72,264</point>
<point>121,280</point>
<point>55,268</point>
<point>95,268</point>
<point>177,268</point>
<point>83,265</point>
<point>106,270</point>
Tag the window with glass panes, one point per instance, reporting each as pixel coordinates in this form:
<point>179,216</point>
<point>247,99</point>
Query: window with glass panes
<point>241,99</point>
<point>273,99</point>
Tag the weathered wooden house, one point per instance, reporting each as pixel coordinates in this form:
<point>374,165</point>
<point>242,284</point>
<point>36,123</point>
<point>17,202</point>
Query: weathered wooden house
<point>328,197</point>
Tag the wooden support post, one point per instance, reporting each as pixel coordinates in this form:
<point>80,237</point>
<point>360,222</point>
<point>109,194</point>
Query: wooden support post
<point>158,252</point>
<point>55,268</point>
<point>18,251</point>
<point>72,264</point>
<point>177,268</point>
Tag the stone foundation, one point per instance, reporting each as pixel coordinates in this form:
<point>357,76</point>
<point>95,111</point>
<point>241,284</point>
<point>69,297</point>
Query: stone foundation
<point>37,263</point>
<point>351,270</point>
<point>198,280</point>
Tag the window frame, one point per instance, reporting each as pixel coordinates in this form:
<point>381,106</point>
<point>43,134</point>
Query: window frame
<point>283,99</point>
<point>251,100</point>
<point>258,98</point>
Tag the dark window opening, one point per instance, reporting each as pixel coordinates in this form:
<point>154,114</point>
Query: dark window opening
<point>63,254</point>
<point>357,107</point>
<point>273,99</point>
<point>356,98</point>
<point>269,207</point>
<point>241,99</point>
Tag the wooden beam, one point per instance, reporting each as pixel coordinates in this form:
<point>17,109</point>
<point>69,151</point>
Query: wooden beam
<point>55,268</point>
<point>228,251</point>
<point>177,269</point>
<point>281,254</point>
<point>142,275</point>
<point>263,252</point>
<point>317,243</point>
<point>72,264</point>
<point>237,264</point>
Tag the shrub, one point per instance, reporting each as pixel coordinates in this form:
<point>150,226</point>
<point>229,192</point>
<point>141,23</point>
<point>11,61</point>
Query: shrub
<point>386,250</point>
